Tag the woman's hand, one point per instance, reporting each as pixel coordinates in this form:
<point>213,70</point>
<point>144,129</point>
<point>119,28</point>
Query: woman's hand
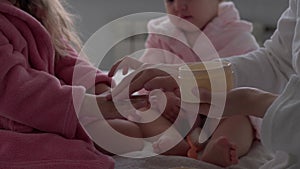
<point>173,106</point>
<point>249,101</point>
<point>125,64</point>
<point>149,78</point>
<point>245,101</point>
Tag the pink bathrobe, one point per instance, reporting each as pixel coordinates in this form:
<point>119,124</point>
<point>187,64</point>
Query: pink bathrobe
<point>38,123</point>
<point>227,33</point>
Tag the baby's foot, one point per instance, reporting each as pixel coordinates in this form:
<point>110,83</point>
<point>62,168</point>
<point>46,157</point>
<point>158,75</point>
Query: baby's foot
<point>221,152</point>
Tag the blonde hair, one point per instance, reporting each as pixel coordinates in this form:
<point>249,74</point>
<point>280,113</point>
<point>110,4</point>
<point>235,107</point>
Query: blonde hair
<point>56,19</point>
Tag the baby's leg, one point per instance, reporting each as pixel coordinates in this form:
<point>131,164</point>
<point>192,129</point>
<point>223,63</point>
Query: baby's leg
<point>171,143</point>
<point>168,143</point>
<point>231,140</point>
<point>116,138</point>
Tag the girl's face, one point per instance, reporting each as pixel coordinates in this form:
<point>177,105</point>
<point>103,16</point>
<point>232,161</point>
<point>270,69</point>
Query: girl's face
<point>198,12</point>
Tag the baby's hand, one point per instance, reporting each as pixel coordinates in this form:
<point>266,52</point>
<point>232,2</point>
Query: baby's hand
<point>168,105</point>
<point>173,106</point>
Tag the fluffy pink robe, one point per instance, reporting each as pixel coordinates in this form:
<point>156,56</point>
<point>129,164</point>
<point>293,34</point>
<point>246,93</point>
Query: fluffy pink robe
<point>227,34</point>
<point>38,123</point>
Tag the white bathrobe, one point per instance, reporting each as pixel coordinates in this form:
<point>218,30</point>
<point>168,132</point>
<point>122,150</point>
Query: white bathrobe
<point>276,68</point>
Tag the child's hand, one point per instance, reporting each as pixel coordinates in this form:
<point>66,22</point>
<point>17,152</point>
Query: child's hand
<point>99,108</point>
<point>120,109</point>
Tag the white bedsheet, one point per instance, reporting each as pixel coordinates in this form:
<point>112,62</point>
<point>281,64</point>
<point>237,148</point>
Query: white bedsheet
<point>257,158</point>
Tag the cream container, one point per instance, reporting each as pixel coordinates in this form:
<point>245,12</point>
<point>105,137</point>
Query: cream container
<point>214,76</point>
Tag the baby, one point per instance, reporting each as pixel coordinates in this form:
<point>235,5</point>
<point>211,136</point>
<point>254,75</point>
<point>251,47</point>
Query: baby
<point>218,22</point>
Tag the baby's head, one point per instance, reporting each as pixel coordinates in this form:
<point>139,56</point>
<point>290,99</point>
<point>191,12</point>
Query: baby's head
<point>198,12</point>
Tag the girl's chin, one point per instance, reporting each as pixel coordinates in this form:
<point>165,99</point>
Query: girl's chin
<point>185,25</point>
<point>188,27</point>
<point>190,19</point>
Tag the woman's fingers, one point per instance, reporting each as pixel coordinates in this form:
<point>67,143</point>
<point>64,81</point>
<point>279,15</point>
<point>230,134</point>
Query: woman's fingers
<point>113,69</point>
<point>135,82</point>
<point>156,77</point>
<point>204,108</point>
<point>130,84</point>
<point>125,64</point>
<point>147,76</point>
<point>122,90</point>
<point>204,94</point>
<point>164,82</point>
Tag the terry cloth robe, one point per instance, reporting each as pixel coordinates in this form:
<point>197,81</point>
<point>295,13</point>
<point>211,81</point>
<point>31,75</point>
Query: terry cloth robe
<point>38,123</point>
<point>225,36</point>
<point>276,68</point>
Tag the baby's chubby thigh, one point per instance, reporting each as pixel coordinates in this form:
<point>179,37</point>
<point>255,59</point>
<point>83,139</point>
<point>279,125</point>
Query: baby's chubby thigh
<point>117,136</point>
<point>163,134</point>
<point>153,124</point>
